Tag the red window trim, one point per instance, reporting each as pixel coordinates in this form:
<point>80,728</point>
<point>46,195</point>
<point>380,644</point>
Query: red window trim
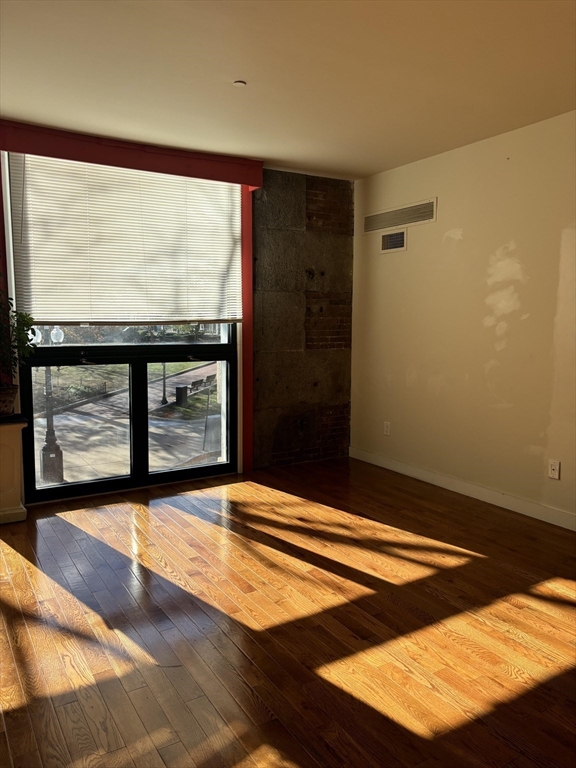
<point>3,262</point>
<point>67,145</point>
<point>82,147</point>
<point>247,334</point>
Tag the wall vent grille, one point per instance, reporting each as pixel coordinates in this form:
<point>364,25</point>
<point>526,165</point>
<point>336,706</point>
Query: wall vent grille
<point>394,241</point>
<point>417,213</point>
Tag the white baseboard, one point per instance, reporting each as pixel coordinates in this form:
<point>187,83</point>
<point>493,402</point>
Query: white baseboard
<point>531,508</point>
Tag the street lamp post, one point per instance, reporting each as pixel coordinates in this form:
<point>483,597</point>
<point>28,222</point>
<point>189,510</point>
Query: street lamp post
<point>51,458</point>
<point>164,400</point>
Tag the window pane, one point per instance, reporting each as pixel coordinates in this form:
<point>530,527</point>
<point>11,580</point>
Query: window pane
<point>186,414</point>
<point>92,335</point>
<point>81,423</point>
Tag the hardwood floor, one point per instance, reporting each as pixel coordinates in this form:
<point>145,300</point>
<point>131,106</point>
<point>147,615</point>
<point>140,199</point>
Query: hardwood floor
<point>326,615</point>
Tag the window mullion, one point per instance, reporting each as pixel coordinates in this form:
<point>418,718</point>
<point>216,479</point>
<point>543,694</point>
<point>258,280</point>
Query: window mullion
<point>139,420</point>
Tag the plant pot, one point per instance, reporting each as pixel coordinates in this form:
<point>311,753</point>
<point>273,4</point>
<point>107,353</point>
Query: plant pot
<point>8,394</point>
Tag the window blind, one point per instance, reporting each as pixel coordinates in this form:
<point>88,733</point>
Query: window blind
<point>99,244</point>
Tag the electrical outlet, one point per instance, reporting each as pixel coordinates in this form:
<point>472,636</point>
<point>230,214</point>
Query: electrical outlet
<point>386,427</point>
<point>554,469</point>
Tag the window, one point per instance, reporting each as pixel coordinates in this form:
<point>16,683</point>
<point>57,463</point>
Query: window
<point>134,279</point>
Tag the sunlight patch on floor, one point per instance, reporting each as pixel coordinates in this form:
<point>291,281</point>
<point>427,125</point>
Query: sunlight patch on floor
<point>556,589</point>
<point>463,667</point>
<point>398,556</point>
<point>266,756</point>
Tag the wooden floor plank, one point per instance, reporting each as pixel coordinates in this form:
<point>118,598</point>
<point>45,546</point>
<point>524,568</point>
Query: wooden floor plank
<point>14,701</point>
<point>119,759</point>
<point>27,591</point>
<point>75,654</point>
<point>29,760</point>
<point>153,717</point>
<point>49,736</point>
<point>138,741</point>
<point>5,757</point>
<point>79,739</point>
<point>176,756</point>
<point>220,739</point>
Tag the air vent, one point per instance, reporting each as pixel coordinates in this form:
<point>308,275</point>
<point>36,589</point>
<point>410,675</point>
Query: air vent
<point>417,213</point>
<point>394,241</point>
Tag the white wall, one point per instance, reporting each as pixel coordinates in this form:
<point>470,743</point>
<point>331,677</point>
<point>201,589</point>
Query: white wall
<point>465,342</point>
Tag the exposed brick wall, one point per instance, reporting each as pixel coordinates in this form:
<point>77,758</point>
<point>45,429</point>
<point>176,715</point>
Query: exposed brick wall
<point>328,320</point>
<point>320,433</point>
<point>329,205</point>
<point>333,431</point>
<point>302,316</point>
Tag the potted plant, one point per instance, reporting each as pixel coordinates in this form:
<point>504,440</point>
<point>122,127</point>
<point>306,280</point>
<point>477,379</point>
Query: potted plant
<point>15,346</point>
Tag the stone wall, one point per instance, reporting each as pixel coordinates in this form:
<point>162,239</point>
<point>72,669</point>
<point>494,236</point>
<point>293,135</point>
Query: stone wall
<point>303,229</point>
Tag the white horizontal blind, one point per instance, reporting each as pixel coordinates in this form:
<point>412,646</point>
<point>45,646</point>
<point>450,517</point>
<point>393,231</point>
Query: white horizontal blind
<point>97,244</point>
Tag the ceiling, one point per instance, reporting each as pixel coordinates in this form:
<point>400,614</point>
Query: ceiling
<point>335,87</point>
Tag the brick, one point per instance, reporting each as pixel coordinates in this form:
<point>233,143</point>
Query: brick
<point>329,206</point>
<point>328,319</point>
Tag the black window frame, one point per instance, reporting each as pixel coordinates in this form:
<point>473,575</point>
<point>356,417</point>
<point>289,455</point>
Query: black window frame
<point>137,356</point>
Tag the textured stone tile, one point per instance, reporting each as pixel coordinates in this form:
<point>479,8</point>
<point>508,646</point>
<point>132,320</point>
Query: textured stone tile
<point>285,379</point>
<point>265,423</point>
<point>296,433</point>
<point>302,261</point>
<point>281,203</point>
<point>279,320</point>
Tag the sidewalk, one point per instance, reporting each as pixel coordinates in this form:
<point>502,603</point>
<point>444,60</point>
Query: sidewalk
<point>95,437</point>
